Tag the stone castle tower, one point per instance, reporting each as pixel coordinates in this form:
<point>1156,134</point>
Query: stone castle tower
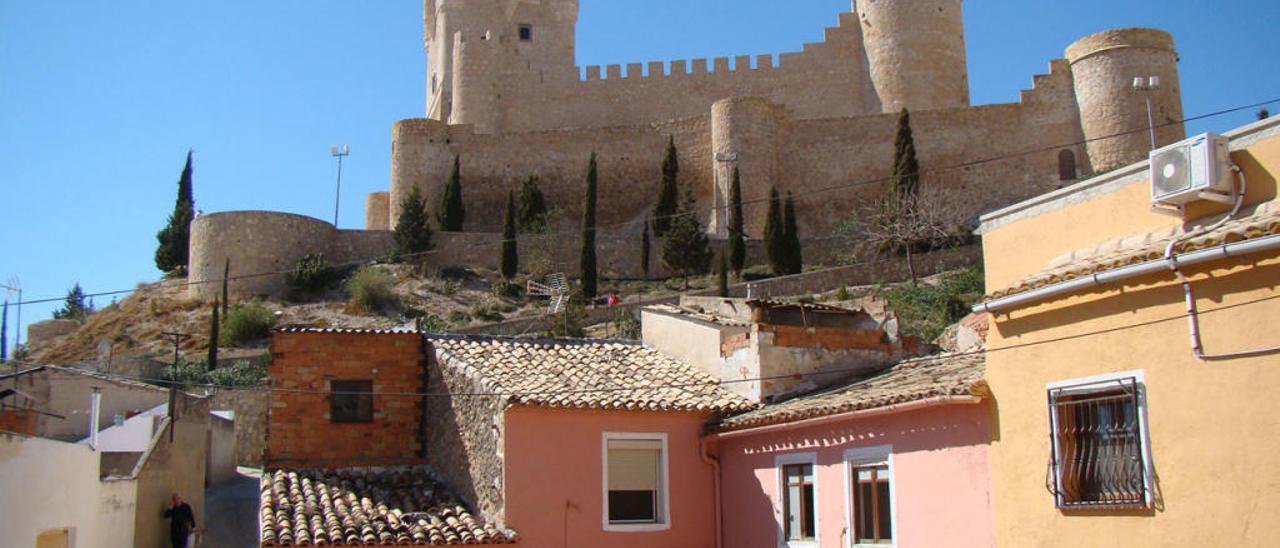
<point>505,96</point>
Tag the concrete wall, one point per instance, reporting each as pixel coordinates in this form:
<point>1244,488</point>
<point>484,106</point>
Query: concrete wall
<point>554,490</point>
<point>300,430</point>
<point>250,407</point>
<point>1200,414</point>
<point>66,392</point>
<point>221,463</point>
<point>941,478</point>
<point>695,342</point>
<point>465,439</point>
<point>48,484</point>
<point>175,463</point>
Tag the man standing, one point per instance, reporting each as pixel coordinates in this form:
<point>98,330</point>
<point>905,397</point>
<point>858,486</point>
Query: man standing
<point>181,522</point>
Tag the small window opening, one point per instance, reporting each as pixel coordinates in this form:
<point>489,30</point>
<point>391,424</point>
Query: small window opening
<point>351,401</point>
<point>1066,165</point>
<point>526,33</point>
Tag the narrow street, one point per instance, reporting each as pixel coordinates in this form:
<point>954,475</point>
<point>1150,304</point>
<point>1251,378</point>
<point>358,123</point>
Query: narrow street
<point>231,512</point>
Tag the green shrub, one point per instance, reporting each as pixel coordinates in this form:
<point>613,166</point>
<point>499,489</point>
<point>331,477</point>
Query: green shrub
<point>311,275</point>
<point>504,289</point>
<point>626,324</point>
<point>842,294</point>
<point>242,373</point>
<point>487,310</point>
<point>431,323</point>
<point>245,323</point>
<point>459,318</point>
<point>371,289</point>
<point>926,310</point>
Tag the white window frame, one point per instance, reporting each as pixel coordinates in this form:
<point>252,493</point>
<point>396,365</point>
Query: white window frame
<point>862,456</point>
<point>664,484</point>
<point>780,511</point>
<point>1095,383</point>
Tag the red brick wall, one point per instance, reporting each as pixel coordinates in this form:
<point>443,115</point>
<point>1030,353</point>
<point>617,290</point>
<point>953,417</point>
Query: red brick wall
<point>299,428</point>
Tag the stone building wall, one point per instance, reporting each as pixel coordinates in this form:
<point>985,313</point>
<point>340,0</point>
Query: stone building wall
<point>465,437</point>
<point>250,406</point>
<point>300,429</point>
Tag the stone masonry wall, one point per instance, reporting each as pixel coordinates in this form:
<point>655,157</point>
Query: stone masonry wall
<point>994,155</point>
<point>299,426</point>
<point>465,437</point>
<point>250,406</point>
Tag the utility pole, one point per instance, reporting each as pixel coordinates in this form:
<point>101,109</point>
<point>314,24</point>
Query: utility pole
<point>339,154</point>
<point>14,285</point>
<point>173,384</point>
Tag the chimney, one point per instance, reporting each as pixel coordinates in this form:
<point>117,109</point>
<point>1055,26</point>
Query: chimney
<point>95,407</point>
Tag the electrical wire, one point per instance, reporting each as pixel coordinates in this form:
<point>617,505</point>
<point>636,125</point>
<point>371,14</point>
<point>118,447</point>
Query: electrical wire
<point>696,211</point>
<point>651,387</point>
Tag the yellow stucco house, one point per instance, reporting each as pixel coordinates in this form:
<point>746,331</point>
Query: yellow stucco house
<point>1137,403</point>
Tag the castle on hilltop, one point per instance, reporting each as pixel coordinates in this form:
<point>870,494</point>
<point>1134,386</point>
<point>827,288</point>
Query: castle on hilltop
<point>505,96</point>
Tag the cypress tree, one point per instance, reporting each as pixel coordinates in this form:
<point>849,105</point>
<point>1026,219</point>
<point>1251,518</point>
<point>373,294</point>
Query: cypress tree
<point>668,193</point>
<point>737,226</point>
<point>532,215</point>
<point>795,260</point>
<point>451,213</point>
<point>510,257</point>
<point>413,230</point>
<point>226,278</point>
<point>588,258</point>
<point>904,182</point>
<point>175,237</point>
<point>4,333</point>
<point>724,276</point>
<point>213,339</point>
<point>687,249</point>
<point>644,249</point>
<point>775,235</point>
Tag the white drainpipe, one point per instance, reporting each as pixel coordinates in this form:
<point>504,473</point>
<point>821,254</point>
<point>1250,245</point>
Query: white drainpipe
<point>1225,251</point>
<point>95,407</point>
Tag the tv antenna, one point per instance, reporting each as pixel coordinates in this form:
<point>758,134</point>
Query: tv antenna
<point>556,289</point>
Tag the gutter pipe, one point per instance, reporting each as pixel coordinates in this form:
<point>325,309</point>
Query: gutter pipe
<point>859,414</point>
<point>1225,251</point>
<point>705,453</point>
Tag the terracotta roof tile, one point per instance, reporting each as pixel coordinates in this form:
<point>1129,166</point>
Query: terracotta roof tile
<point>345,330</point>
<point>1145,247</point>
<point>400,506</point>
<point>585,374</point>
<point>911,380</point>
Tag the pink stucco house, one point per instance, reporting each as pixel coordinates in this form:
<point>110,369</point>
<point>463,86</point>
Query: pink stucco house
<point>899,459</point>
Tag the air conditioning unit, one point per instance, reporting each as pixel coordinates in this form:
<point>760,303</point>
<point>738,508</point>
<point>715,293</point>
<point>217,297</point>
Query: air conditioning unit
<point>1191,170</point>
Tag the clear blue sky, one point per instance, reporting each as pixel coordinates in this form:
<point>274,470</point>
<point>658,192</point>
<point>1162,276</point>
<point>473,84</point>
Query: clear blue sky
<point>99,101</point>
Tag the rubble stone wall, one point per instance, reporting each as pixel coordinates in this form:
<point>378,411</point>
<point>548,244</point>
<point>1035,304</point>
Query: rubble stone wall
<point>465,436</point>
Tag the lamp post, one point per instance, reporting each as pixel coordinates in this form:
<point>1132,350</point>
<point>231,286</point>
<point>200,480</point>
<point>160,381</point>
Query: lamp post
<point>339,154</point>
<point>1146,85</point>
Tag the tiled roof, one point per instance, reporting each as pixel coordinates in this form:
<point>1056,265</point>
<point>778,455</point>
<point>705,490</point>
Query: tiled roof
<point>368,507</point>
<point>585,374</point>
<point>1146,247</point>
<point>911,380</point>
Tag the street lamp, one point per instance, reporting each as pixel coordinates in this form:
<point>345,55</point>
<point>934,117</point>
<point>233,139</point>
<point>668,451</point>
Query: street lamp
<point>339,154</point>
<point>1146,86</point>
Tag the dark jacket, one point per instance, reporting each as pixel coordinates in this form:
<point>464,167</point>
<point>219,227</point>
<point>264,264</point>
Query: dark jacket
<point>181,521</point>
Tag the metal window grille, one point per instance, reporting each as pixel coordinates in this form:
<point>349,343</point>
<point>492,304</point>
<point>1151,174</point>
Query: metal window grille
<point>1098,457</point>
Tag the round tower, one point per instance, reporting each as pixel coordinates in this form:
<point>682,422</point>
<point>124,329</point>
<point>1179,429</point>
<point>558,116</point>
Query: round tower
<point>744,134</point>
<point>915,52</point>
<point>1113,112</point>
<point>260,245</point>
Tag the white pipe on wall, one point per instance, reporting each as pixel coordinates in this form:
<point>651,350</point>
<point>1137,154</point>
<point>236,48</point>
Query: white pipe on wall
<point>95,408</point>
<point>1225,251</point>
